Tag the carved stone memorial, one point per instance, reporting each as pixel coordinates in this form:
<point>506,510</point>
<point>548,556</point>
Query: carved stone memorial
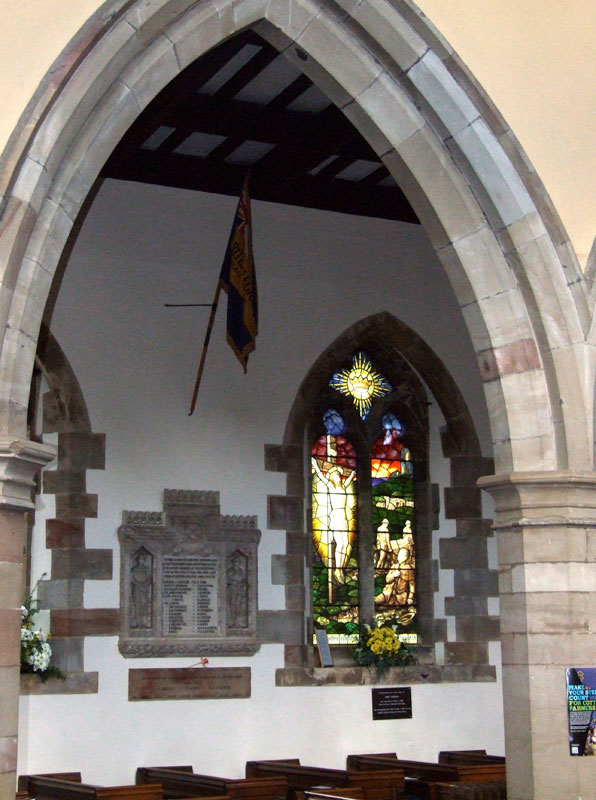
<point>188,579</point>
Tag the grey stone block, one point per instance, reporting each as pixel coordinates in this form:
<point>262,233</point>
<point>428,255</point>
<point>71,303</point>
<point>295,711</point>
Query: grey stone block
<point>69,506</point>
<point>283,458</point>
<point>462,501</point>
<point>62,535</point>
<point>59,481</point>
<point>463,553</point>
<point>87,564</point>
<point>80,451</point>
<point>460,606</point>
<point>60,414</point>
<point>284,513</point>
<point>477,629</point>
<point>476,582</point>
<point>466,653</point>
<point>280,627</point>
<point>61,593</point>
<point>432,630</point>
<point>297,544</point>
<point>68,653</point>
<point>465,470</point>
<point>295,598</point>
<point>287,570</point>
<point>474,527</point>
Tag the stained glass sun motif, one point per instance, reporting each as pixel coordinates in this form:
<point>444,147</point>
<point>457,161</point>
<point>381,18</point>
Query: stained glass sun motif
<point>361,382</point>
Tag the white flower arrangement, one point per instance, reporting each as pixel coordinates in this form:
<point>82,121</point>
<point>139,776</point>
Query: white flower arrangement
<point>35,648</point>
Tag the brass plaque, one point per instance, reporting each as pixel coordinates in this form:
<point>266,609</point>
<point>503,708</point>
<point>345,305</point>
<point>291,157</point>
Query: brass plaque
<point>188,684</point>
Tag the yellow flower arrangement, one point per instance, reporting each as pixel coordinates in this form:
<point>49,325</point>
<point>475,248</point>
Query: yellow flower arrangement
<point>382,648</point>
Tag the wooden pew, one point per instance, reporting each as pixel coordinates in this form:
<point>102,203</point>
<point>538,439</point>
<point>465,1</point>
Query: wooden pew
<point>429,770</point>
<point>469,757</point>
<point>421,777</point>
<point>495,790</point>
<point>341,793</point>
<point>74,777</point>
<point>42,788</point>
<point>178,783</point>
<point>379,784</point>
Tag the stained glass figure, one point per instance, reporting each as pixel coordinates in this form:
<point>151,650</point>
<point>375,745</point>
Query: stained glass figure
<point>334,521</point>
<point>361,382</point>
<point>393,517</point>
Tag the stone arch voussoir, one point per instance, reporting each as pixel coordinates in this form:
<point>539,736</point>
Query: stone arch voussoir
<point>390,75</point>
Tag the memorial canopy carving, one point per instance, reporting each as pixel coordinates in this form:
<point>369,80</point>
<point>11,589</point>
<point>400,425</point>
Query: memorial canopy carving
<point>188,579</point>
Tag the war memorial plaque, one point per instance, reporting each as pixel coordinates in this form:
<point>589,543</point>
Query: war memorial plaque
<point>188,579</point>
<point>189,684</point>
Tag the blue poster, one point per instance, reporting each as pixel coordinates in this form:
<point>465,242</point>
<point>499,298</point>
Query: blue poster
<point>581,706</point>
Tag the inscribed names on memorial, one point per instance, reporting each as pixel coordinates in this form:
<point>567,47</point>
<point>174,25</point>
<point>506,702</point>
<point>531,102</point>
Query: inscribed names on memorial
<point>189,595</point>
<point>188,579</point>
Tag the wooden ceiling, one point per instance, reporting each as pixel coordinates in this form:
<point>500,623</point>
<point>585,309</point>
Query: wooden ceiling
<point>245,105</point>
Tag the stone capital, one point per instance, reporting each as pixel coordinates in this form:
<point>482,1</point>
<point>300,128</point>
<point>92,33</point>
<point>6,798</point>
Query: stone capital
<point>20,460</point>
<point>553,498</point>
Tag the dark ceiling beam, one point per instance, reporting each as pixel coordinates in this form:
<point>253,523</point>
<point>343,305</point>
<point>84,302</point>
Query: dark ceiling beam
<point>263,123</point>
<point>290,93</point>
<point>247,73</point>
<point>198,174</point>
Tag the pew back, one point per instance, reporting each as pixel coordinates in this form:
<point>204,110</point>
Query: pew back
<point>181,783</point>
<point>56,789</point>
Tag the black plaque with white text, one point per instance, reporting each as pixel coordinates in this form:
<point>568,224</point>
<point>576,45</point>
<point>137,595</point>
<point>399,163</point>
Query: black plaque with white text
<point>392,703</point>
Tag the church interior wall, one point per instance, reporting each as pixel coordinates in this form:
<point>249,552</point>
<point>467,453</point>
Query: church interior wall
<point>135,360</point>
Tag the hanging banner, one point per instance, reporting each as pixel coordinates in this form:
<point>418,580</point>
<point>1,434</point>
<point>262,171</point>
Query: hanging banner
<point>581,709</point>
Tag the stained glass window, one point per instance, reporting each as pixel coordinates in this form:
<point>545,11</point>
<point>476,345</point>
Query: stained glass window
<point>334,531</point>
<point>393,519</point>
<point>348,540</point>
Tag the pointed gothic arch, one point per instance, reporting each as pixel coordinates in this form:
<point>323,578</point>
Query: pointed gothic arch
<point>418,375</point>
<point>425,119</point>
<point>517,281</point>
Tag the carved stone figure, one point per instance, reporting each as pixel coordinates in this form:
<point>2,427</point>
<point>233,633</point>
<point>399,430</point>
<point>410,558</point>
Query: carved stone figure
<point>237,591</point>
<point>141,590</point>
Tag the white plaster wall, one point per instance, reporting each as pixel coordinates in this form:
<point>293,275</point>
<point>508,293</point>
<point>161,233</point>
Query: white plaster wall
<point>318,273</point>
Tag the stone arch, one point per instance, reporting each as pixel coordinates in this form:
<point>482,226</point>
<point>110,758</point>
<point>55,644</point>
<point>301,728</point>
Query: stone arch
<point>401,87</point>
<point>389,341</point>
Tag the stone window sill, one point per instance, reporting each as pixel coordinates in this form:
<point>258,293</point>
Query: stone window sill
<point>367,676</point>
<point>74,683</point>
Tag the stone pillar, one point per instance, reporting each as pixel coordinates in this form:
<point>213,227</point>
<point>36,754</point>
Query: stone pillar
<point>19,463</point>
<point>546,533</point>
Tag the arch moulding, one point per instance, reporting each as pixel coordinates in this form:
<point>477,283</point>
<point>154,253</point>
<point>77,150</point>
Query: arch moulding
<point>402,87</point>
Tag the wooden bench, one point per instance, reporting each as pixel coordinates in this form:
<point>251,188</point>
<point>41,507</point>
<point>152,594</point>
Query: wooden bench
<point>182,782</point>
<point>43,788</point>
<point>379,784</point>
<point>73,777</point>
<point>495,790</point>
<point>421,777</point>
<point>469,757</point>
<point>429,770</point>
<point>341,793</point>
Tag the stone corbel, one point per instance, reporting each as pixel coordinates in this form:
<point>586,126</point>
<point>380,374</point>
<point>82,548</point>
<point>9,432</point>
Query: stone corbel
<point>20,461</point>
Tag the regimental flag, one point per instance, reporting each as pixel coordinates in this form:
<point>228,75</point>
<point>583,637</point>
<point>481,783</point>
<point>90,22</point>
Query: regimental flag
<point>238,279</point>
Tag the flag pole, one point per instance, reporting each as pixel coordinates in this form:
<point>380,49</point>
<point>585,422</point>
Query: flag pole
<point>205,346</point>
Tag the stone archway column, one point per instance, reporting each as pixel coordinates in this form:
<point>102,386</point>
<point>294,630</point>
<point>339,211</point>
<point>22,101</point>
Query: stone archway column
<point>546,534</point>
<point>20,461</point>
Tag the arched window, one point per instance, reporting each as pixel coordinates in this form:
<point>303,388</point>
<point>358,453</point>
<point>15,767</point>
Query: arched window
<point>363,567</point>
<point>366,406</point>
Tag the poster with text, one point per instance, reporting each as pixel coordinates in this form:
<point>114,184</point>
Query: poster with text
<point>581,708</point>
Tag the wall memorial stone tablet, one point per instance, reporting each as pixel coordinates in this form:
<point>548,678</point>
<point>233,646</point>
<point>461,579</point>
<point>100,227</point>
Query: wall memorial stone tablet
<point>189,684</point>
<point>188,579</point>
